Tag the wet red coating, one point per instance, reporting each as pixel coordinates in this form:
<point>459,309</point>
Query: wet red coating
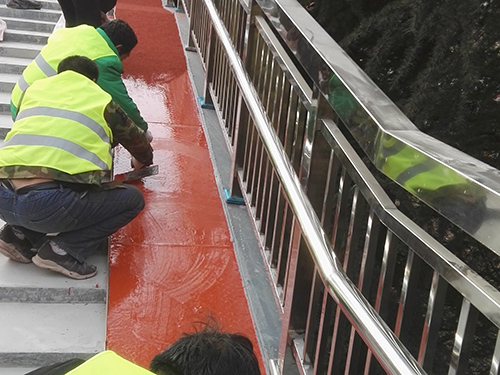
<point>174,265</point>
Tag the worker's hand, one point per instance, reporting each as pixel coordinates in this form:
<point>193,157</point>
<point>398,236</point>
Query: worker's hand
<point>136,164</point>
<point>149,136</point>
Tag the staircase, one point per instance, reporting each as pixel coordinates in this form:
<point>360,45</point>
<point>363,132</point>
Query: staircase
<point>44,317</point>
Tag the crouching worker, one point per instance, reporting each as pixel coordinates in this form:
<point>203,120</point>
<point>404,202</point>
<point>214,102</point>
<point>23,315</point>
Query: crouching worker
<point>209,352</point>
<point>52,165</point>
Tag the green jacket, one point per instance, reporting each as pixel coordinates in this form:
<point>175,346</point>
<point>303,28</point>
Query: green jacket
<point>81,40</point>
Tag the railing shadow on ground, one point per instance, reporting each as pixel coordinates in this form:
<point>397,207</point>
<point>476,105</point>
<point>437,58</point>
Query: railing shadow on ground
<point>369,279</point>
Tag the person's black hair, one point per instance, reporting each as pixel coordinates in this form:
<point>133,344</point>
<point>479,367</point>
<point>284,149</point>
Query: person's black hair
<point>79,64</point>
<point>120,33</point>
<point>107,5</point>
<point>208,352</point>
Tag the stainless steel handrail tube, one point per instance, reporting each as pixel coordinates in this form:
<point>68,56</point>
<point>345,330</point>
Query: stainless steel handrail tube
<point>457,273</point>
<point>314,48</point>
<point>384,344</point>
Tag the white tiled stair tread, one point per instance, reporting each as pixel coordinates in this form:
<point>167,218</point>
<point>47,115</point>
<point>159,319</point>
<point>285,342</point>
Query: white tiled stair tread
<point>15,60</point>
<point>11,78</point>
<point>4,97</point>
<point>5,122</point>
<point>11,44</point>
<point>17,275</point>
<point>24,32</point>
<point>56,328</point>
<point>25,20</point>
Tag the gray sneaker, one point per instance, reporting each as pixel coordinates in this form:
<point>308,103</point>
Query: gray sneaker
<point>13,247</point>
<point>65,264</point>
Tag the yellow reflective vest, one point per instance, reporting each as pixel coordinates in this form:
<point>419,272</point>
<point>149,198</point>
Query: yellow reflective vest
<point>108,363</point>
<point>61,125</point>
<point>81,40</point>
<point>417,172</point>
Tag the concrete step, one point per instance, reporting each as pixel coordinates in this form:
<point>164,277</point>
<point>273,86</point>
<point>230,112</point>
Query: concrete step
<point>45,317</point>
<point>19,50</point>
<point>44,286</point>
<point>7,82</point>
<point>51,15</point>
<point>4,103</point>
<point>13,65</point>
<point>23,36</point>
<point>5,125</point>
<point>38,334</point>
<point>29,25</point>
<point>46,4</point>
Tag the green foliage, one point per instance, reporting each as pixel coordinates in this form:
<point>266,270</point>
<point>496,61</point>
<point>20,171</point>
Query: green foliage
<point>438,60</point>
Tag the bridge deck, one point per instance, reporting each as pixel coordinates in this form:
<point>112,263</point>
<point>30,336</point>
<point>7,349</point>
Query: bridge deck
<point>175,264</point>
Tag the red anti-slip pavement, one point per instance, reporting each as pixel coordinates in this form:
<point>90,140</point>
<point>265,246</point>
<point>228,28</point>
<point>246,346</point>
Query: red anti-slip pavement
<point>174,265</point>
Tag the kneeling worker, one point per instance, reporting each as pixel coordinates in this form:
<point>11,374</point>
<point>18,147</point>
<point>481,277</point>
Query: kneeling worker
<point>52,164</point>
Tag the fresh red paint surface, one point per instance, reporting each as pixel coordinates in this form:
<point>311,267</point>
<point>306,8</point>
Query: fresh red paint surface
<point>174,265</point>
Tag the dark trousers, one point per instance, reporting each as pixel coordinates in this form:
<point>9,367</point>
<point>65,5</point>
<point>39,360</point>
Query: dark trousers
<point>83,219</point>
<point>78,12</point>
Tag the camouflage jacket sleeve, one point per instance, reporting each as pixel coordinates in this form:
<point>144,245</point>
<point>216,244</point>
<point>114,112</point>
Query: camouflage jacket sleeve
<point>128,134</point>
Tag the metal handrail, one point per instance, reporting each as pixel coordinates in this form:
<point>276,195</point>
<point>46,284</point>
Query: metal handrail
<point>395,358</point>
<point>316,50</point>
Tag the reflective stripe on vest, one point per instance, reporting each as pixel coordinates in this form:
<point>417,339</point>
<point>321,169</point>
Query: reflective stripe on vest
<point>63,144</point>
<point>45,66</point>
<point>108,363</point>
<point>68,115</point>
<point>82,40</point>
<point>61,126</point>
<point>412,169</point>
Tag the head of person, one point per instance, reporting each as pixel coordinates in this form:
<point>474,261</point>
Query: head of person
<point>208,352</point>
<point>121,35</point>
<point>107,5</point>
<point>80,64</point>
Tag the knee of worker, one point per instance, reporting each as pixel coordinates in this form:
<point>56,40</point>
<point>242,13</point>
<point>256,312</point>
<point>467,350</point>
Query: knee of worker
<point>136,199</point>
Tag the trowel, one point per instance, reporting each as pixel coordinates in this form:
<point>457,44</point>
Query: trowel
<point>137,175</point>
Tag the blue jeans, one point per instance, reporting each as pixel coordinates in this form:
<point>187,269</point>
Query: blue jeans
<point>83,219</point>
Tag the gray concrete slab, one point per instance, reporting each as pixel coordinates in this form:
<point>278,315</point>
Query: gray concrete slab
<point>5,97</point>
<point>13,65</point>
<point>4,103</point>
<point>7,82</point>
<point>5,123</point>
<point>22,24</point>
<point>57,328</point>
<point>37,37</point>
<point>34,14</point>
<point>28,283</point>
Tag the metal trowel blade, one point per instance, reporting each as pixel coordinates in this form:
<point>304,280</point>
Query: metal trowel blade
<point>137,175</point>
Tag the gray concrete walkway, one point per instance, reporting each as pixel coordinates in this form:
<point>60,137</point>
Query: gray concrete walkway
<point>44,317</point>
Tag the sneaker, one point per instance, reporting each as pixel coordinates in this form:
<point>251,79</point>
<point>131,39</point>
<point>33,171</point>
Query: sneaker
<point>24,4</point>
<point>13,247</point>
<point>65,264</point>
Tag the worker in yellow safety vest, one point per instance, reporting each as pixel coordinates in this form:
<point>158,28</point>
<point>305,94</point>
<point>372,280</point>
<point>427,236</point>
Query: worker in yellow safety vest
<point>444,189</point>
<point>207,352</point>
<point>107,46</point>
<point>52,166</point>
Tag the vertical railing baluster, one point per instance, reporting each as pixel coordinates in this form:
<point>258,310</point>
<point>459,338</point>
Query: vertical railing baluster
<point>430,335</point>
<point>464,338</point>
